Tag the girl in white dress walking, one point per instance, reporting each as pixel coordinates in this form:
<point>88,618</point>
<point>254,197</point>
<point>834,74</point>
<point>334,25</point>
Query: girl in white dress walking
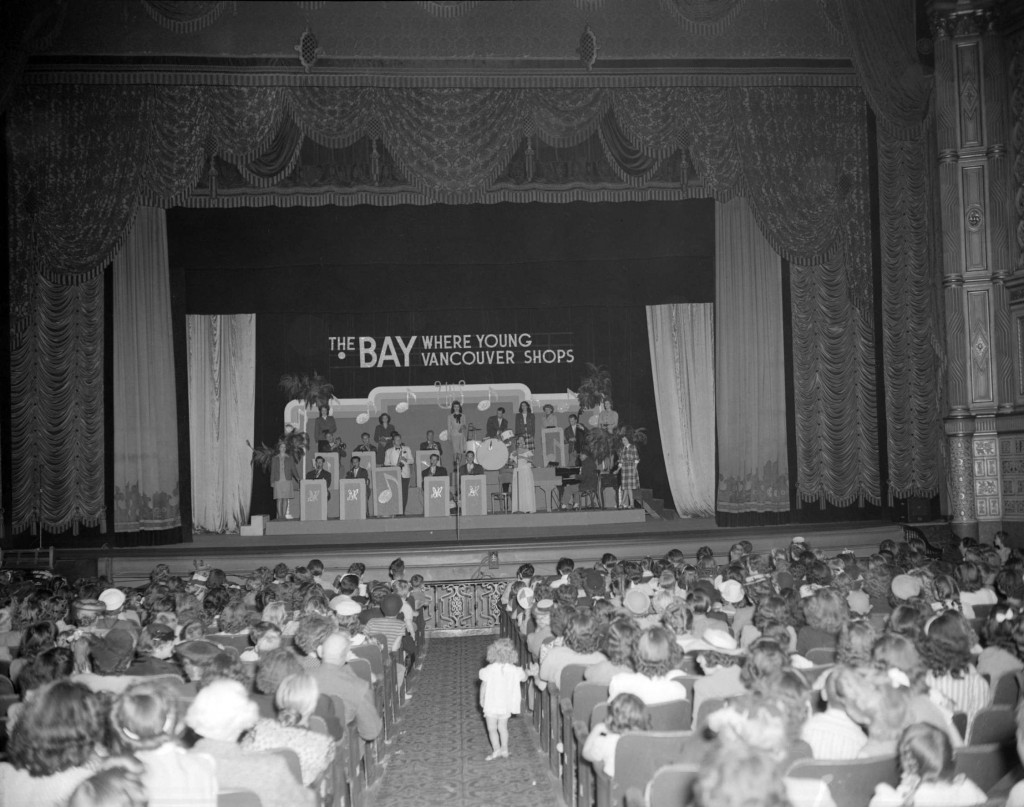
<point>500,693</point>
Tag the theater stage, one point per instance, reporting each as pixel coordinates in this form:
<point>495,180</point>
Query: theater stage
<point>494,548</point>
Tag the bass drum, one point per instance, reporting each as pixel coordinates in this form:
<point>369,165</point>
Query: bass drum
<point>492,454</point>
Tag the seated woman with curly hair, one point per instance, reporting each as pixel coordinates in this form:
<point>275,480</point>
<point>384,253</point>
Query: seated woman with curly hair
<point>999,635</point>
<point>954,683</point>
<point>655,653</point>
<point>737,775</point>
<point>581,639</point>
<point>898,657</point>
<point>971,578</point>
<point>53,745</point>
<point>769,609</point>
<point>617,645</point>
<point>296,699</point>
<point>826,612</point>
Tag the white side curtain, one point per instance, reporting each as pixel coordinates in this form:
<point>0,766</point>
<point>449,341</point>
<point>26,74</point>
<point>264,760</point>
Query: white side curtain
<point>221,399</point>
<point>753,464</point>
<point>146,494</point>
<point>682,359</point>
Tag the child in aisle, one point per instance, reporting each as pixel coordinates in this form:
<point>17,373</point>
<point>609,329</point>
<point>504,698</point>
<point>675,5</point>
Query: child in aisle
<point>500,693</point>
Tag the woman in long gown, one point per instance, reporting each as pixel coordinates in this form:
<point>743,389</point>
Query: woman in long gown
<point>526,424</point>
<point>524,499</point>
<point>457,432</point>
<point>382,435</point>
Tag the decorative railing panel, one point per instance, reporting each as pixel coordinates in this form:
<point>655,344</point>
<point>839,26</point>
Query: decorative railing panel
<point>464,607</point>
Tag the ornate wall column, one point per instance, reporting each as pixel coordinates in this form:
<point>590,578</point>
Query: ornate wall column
<point>976,207</point>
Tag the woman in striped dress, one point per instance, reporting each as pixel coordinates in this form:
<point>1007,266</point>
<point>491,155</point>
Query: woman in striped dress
<point>629,478</point>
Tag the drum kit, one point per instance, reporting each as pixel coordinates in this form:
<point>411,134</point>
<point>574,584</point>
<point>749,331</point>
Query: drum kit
<point>493,452</point>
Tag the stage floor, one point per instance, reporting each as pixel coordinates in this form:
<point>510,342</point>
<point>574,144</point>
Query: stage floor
<point>451,527</point>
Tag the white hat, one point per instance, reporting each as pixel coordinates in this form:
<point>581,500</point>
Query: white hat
<point>636,602</point>
<point>222,711</point>
<point>346,607</point>
<point>721,641</point>
<point>731,591</point>
<point>113,598</point>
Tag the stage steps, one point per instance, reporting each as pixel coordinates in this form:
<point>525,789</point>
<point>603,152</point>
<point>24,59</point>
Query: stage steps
<point>655,507</point>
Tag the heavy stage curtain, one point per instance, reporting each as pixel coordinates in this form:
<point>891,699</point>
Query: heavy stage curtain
<point>221,392</point>
<point>807,186</point>
<point>750,373</point>
<point>682,360</point>
<point>145,413</point>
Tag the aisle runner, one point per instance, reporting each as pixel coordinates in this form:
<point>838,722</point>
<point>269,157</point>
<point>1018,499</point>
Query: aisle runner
<point>438,757</point>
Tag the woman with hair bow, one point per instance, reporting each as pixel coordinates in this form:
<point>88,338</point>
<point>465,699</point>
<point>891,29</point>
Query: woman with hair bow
<point>999,638</point>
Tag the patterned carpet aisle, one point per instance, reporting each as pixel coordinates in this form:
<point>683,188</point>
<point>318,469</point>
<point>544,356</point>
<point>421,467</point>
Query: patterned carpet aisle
<point>437,760</point>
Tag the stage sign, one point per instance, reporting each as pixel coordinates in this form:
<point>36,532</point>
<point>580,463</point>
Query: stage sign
<point>450,350</point>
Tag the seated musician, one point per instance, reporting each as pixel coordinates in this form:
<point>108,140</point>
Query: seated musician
<point>365,444</point>
<point>319,472</point>
<point>472,467</point>
<point>435,468</point>
<point>430,444</point>
<point>588,474</point>
<point>357,471</point>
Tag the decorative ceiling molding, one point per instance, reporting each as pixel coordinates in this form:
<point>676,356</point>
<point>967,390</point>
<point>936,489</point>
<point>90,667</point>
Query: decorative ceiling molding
<point>838,73</point>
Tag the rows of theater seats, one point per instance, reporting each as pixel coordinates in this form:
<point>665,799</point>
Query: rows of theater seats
<point>357,765</point>
<point>647,775</point>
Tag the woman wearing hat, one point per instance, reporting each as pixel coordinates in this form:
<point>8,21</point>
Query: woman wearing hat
<point>219,715</point>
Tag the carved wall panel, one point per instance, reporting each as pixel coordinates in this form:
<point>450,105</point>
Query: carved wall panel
<point>979,323</point>
<point>1011,469</point>
<point>973,194</point>
<point>986,478</point>
<point>968,64</point>
<point>961,479</point>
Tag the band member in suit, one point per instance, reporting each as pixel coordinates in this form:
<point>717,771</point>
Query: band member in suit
<point>496,424</point>
<point>434,469</point>
<point>320,473</point>
<point>472,467</point>
<point>366,444</point>
<point>430,444</point>
<point>357,471</point>
<point>400,456</point>
<point>575,439</point>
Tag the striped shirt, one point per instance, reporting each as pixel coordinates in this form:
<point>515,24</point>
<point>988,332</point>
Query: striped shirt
<point>391,627</point>
<point>969,693</point>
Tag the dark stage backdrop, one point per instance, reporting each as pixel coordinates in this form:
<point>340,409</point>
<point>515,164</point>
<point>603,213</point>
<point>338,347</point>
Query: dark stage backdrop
<point>577,274</point>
